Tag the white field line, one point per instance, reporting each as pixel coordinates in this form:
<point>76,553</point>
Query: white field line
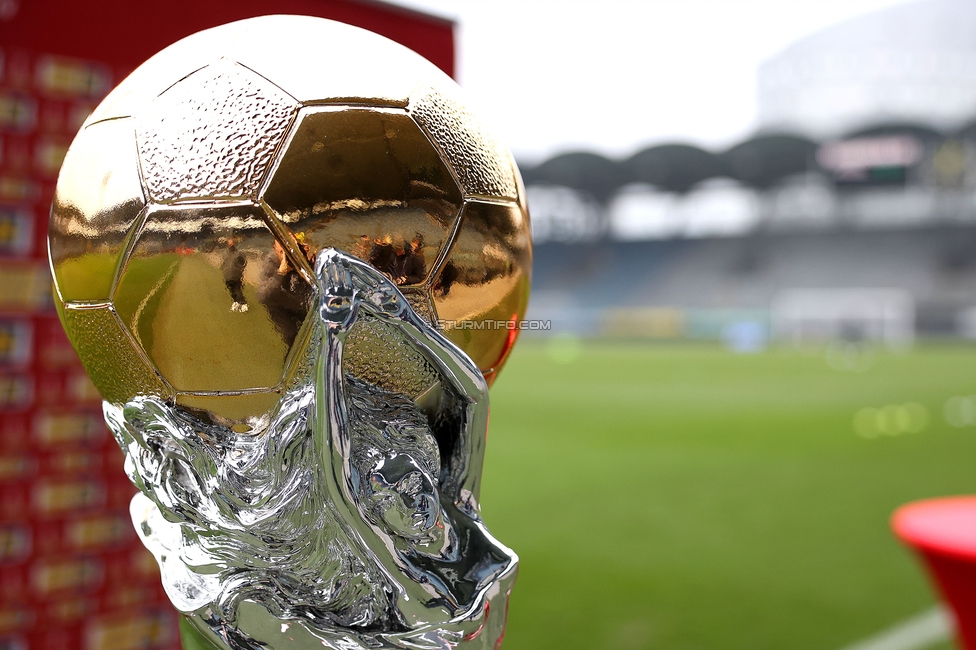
<point>915,633</point>
<point>145,301</point>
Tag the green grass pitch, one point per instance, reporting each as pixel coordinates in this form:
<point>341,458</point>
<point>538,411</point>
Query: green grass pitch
<point>685,497</point>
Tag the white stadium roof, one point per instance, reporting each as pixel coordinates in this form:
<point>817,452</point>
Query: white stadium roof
<point>910,63</point>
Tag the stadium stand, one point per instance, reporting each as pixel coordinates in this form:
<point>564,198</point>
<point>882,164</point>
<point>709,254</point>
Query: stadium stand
<point>577,285</point>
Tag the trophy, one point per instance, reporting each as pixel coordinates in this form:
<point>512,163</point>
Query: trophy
<point>292,262</point>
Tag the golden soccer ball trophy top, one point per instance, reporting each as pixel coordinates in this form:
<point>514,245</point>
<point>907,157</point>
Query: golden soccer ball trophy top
<point>193,201</point>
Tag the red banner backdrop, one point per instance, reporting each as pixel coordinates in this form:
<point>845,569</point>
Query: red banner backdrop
<point>73,575</point>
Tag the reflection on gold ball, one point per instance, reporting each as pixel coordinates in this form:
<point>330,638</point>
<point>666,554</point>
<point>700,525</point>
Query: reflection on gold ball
<point>193,200</point>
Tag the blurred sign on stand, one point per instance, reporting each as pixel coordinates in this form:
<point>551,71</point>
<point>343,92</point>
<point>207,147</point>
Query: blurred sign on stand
<point>73,575</point>
<point>879,160</point>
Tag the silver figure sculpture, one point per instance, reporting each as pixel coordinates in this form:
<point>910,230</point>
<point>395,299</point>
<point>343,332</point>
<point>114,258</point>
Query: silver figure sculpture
<point>342,526</point>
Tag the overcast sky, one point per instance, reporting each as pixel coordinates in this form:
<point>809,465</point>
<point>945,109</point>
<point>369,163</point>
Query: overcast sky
<point>612,76</point>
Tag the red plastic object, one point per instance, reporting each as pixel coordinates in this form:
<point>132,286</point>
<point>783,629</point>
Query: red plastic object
<point>943,532</point>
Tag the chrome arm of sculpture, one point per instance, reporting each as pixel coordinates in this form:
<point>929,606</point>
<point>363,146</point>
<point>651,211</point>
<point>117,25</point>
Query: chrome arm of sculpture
<point>347,288</point>
<point>357,285</point>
